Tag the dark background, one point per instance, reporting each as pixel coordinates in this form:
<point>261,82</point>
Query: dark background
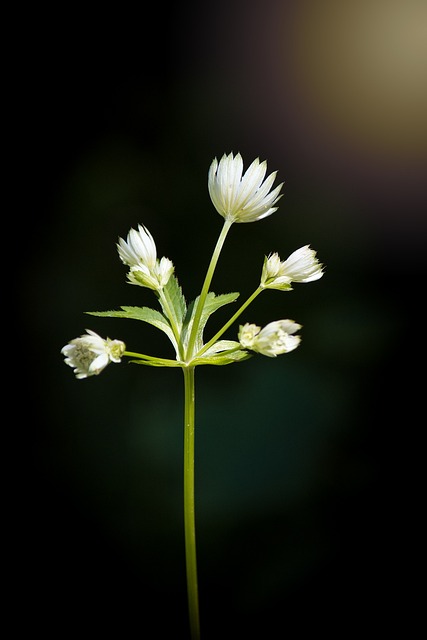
<point>303,463</point>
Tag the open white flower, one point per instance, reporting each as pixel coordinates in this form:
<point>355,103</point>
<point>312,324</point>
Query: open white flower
<point>140,254</point>
<point>90,354</point>
<point>242,198</point>
<point>274,339</point>
<point>301,266</point>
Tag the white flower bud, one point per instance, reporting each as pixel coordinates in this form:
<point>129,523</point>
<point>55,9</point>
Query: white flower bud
<point>140,254</point>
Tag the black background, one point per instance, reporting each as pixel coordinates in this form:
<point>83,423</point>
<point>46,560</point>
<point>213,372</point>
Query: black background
<point>305,463</point>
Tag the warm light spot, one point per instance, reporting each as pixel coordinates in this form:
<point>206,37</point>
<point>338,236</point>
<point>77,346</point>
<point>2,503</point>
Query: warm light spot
<point>362,69</point>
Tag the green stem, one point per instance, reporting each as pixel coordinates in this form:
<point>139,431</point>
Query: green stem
<point>166,362</point>
<point>230,322</point>
<point>189,516</point>
<point>205,289</point>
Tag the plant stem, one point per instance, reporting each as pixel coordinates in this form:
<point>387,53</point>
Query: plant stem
<point>189,512</point>
<point>205,289</point>
<point>160,362</point>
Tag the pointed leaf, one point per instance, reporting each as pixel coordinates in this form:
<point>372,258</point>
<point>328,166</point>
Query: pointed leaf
<point>151,316</point>
<point>212,303</point>
<point>174,305</point>
<point>223,352</point>
<point>223,345</point>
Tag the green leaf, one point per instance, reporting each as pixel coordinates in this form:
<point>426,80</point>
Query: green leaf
<point>151,316</point>
<point>212,303</point>
<point>223,345</point>
<point>174,306</point>
<point>223,352</point>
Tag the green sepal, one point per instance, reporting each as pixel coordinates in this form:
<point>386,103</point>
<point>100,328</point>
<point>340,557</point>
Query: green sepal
<point>284,286</point>
<point>212,303</point>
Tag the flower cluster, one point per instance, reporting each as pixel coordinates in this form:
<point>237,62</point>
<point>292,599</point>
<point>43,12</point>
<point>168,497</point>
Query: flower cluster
<point>238,197</point>
<point>242,198</point>
<point>274,339</point>
<point>140,254</point>
<point>90,354</point>
<point>301,266</point>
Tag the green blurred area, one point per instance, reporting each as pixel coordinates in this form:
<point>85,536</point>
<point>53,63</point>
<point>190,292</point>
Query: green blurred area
<point>297,458</point>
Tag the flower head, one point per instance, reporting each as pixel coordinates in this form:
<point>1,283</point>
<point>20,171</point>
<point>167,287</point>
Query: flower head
<point>242,198</point>
<point>301,266</point>
<point>140,254</point>
<point>274,339</point>
<point>90,354</point>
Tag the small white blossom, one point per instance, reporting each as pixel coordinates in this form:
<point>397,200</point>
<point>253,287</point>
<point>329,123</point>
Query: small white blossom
<point>140,254</point>
<point>274,339</point>
<point>242,198</point>
<point>90,354</point>
<point>301,266</point>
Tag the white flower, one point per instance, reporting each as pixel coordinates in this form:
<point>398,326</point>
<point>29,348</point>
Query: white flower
<point>140,254</point>
<point>301,266</point>
<point>274,339</point>
<point>242,199</point>
<point>90,354</point>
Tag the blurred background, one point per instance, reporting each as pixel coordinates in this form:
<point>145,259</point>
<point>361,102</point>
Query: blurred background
<point>302,462</point>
